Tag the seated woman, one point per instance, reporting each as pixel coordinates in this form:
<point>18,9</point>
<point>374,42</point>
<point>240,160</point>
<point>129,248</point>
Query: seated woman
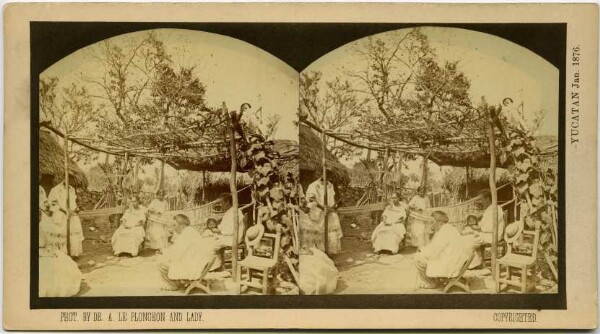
<point>188,256</point>
<point>226,226</point>
<point>388,235</point>
<point>59,275</point>
<point>445,254</point>
<point>129,236</point>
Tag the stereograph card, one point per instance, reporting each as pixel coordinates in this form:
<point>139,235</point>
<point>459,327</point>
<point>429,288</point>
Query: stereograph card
<point>300,166</point>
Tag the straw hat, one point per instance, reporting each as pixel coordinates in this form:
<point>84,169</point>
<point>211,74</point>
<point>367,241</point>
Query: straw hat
<point>513,231</point>
<point>254,233</point>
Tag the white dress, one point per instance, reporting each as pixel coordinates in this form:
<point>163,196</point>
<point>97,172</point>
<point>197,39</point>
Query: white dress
<point>156,233</point>
<point>417,228</point>
<point>226,227</point>
<point>130,235</point>
<point>58,201</point>
<point>487,224</point>
<point>59,275</point>
<point>390,232</point>
<point>315,195</point>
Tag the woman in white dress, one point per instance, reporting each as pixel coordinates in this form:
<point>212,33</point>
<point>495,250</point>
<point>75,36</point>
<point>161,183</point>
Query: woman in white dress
<point>156,233</point>
<point>130,235</point>
<point>388,235</point>
<point>59,275</point>
<point>58,201</point>
<point>316,202</point>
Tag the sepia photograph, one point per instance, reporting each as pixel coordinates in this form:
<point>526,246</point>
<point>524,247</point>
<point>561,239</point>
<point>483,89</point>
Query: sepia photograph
<point>167,166</point>
<point>429,156</point>
<point>300,166</point>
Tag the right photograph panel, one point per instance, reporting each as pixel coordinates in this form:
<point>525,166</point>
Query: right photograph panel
<point>428,161</point>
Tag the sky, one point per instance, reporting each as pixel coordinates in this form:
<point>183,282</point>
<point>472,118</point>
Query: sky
<point>233,72</point>
<point>497,68</point>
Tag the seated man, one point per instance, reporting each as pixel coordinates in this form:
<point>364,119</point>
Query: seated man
<point>388,235</point>
<point>187,257</point>
<point>445,254</point>
<point>129,236</point>
<point>225,228</point>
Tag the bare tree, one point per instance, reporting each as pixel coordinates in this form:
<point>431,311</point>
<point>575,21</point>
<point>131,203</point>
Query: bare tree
<point>333,105</point>
<point>391,69</point>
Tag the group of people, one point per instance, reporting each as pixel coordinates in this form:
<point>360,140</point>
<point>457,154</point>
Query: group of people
<point>193,248</point>
<point>59,275</point>
<point>455,242</point>
<point>390,233</point>
<point>452,244</point>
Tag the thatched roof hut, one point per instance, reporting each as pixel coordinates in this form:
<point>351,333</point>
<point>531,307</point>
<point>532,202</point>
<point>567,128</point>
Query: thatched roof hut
<point>311,161</point>
<point>52,163</point>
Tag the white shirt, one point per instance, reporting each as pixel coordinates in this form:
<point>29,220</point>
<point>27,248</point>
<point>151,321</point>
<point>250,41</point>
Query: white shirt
<point>43,199</point>
<point>59,194</point>
<point>419,202</point>
<point>157,206</point>
<point>316,190</point>
<point>226,226</point>
<point>394,213</point>
<point>487,223</point>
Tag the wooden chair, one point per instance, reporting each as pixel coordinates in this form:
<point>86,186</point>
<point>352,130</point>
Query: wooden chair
<point>263,254</point>
<point>520,262</point>
<point>201,283</point>
<point>459,281</point>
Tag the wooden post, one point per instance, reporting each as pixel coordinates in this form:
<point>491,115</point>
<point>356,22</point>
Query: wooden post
<point>325,202</point>
<point>234,198</point>
<point>467,170</point>
<point>492,181</point>
<point>383,172</point>
<point>67,209</point>
<point>424,173</point>
<point>203,186</point>
<point>161,177</point>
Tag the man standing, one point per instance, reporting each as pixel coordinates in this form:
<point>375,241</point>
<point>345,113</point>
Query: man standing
<point>58,199</point>
<point>316,202</point>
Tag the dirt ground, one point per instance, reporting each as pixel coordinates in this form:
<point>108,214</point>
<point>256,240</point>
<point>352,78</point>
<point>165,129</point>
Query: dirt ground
<point>363,272</point>
<point>360,270</point>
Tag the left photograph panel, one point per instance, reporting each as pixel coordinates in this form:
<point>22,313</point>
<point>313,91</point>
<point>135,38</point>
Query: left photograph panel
<point>167,166</point>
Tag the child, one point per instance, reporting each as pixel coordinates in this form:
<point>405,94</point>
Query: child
<point>471,225</point>
<point>211,227</point>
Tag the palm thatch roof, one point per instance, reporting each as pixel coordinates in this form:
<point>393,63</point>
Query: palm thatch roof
<point>311,158</point>
<point>52,163</point>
